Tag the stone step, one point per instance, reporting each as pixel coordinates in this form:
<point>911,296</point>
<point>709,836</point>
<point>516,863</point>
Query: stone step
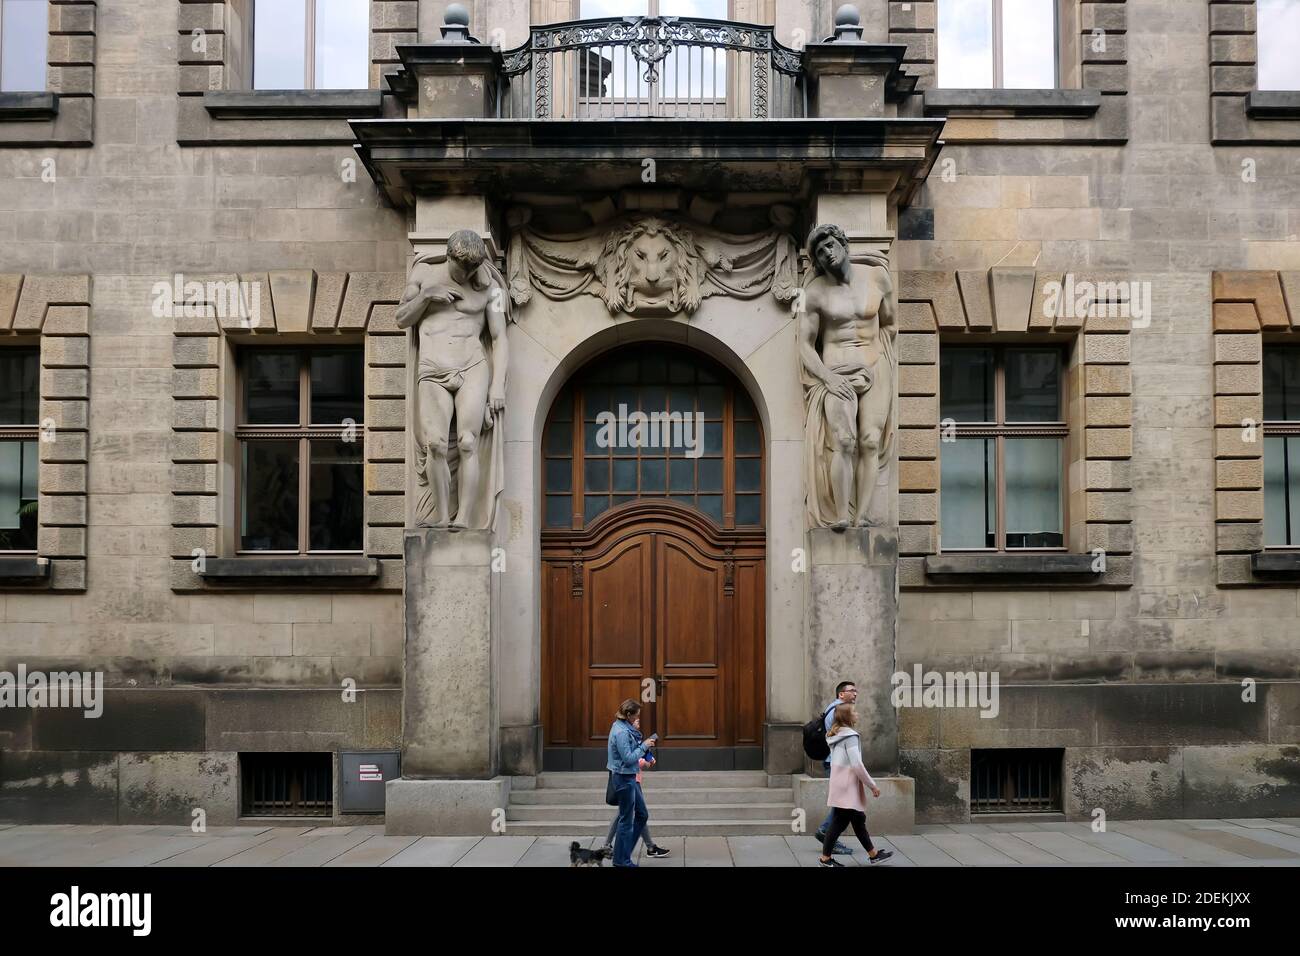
<point>667,812</point>
<point>674,779</point>
<point>665,828</point>
<point>662,796</point>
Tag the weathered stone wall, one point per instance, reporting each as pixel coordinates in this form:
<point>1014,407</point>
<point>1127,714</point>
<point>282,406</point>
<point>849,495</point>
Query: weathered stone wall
<point>1170,209</point>
<point>132,211</point>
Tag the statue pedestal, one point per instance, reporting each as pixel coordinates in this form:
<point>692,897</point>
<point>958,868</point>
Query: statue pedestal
<point>852,616</point>
<point>449,748</point>
<point>448,722</point>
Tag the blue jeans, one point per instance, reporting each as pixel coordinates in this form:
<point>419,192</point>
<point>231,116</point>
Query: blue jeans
<point>632,817</point>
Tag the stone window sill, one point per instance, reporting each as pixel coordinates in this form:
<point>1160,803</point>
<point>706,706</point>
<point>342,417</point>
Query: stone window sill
<point>1011,568</point>
<point>1273,104</point>
<point>25,570</point>
<point>28,106</point>
<point>293,104</point>
<point>1275,562</point>
<point>292,570</point>
<point>1041,104</point>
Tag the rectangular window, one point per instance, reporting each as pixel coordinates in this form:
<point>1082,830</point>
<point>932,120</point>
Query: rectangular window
<point>997,44</point>
<point>301,435</point>
<point>20,398</point>
<point>1282,446</point>
<point>24,38</point>
<point>1002,448</point>
<point>311,45</point>
<point>1277,33</point>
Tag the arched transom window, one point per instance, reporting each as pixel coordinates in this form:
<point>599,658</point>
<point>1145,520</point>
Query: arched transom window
<point>653,422</point>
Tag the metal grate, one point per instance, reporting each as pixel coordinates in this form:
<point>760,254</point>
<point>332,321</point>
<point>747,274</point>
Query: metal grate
<point>287,785</point>
<point>1015,781</point>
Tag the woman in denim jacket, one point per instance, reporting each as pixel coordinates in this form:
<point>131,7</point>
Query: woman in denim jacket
<point>651,848</point>
<point>624,751</point>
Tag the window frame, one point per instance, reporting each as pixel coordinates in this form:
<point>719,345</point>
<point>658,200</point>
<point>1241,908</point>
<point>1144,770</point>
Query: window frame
<point>304,432</point>
<point>1278,428</point>
<point>309,57</point>
<point>1000,430</point>
<point>997,49</point>
<point>27,433</point>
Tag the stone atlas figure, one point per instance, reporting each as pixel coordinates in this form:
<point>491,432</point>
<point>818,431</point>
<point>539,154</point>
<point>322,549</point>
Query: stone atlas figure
<point>459,308</point>
<point>847,362</point>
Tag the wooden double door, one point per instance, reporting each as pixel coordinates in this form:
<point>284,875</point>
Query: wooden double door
<point>656,604</point>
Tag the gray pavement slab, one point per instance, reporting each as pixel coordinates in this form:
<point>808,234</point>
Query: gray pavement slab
<point>374,852</point>
<point>497,851</point>
<point>968,850</point>
<point>1065,846</point>
<point>708,851</point>
<point>761,851</point>
<point>435,851</point>
<point>922,852</point>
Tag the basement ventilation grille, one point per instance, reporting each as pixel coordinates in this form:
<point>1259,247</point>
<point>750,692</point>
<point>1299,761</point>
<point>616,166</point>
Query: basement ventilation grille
<point>286,785</point>
<point>1015,781</point>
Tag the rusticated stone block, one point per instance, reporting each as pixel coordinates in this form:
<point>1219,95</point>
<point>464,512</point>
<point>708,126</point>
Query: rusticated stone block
<point>1108,442</point>
<point>918,475</point>
<point>60,542</point>
<point>1263,289</point>
<point>1245,536</point>
<point>1239,473</point>
<point>186,540</point>
<point>1239,505</point>
<point>65,351</point>
<point>1238,348</point>
<point>1108,411</point>
<point>1235,317</point>
<point>1108,379</point>
<point>1239,442</point>
<point>1105,349</point>
<point>940,289</point>
<point>1238,379</point>
<point>1237,409</point>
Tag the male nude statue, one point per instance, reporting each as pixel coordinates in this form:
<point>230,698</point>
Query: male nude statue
<point>849,310</point>
<point>452,304</point>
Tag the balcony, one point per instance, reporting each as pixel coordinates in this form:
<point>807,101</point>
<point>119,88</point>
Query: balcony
<point>581,105</point>
<point>652,66</point>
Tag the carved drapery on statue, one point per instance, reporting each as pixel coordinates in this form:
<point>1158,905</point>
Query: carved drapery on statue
<point>458,305</point>
<point>649,265</point>
<point>848,367</point>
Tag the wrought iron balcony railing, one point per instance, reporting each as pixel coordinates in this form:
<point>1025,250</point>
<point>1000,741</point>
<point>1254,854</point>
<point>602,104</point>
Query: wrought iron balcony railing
<point>651,66</point>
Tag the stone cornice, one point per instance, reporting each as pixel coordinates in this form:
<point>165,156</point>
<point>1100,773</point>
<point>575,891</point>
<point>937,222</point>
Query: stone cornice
<point>404,156</point>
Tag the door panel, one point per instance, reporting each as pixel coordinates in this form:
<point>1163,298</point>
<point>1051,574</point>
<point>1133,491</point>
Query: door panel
<point>618,626</point>
<point>662,605</point>
<point>618,648</point>
<point>689,645</point>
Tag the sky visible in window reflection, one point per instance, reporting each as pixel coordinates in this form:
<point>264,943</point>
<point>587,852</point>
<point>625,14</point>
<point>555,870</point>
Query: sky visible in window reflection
<point>1279,36</point>
<point>24,30</point>
<point>965,53</point>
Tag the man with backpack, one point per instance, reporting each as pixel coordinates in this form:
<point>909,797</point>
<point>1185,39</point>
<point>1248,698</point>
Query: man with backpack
<point>815,746</point>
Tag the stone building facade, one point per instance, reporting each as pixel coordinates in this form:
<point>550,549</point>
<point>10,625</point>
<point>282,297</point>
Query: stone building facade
<point>162,219</point>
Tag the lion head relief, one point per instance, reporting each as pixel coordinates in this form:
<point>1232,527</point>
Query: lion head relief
<point>650,265</point>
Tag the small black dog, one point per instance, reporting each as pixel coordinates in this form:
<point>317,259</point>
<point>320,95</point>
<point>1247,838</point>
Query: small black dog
<point>582,857</point>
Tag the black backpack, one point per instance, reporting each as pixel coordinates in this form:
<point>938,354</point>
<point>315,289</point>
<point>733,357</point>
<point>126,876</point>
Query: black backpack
<point>814,738</point>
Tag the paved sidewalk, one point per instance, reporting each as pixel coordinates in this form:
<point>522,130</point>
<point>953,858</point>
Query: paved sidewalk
<point>1255,842</point>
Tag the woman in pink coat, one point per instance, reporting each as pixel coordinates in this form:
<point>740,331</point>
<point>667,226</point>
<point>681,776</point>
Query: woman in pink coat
<point>849,784</point>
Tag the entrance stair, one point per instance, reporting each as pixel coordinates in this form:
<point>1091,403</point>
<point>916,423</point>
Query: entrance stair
<point>681,803</point>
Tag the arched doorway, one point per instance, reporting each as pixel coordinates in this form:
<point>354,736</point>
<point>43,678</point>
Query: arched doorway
<point>653,484</point>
